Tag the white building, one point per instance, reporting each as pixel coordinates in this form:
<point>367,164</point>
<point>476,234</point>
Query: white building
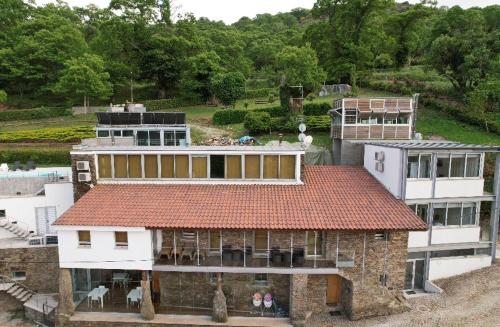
<point>445,185</point>
<point>30,201</point>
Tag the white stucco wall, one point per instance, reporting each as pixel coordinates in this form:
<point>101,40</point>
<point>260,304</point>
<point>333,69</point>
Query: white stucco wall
<point>391,176</point>
<point>102,254</point>
<point>418,239</point>
<point>450,188</point>
<point>446,235</point>
<point>452,266</point>
<point>418,189</point>
<point>22,208</point>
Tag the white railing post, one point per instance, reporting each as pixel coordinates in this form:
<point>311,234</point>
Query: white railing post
<point>220,246</point>
<point>291,249</point>
<point>198,247</point>
<point>244,249</point>
<point>175,250</point>
<point>315,250</point>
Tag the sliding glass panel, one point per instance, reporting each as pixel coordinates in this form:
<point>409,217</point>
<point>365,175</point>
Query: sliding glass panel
<point>103,133</point>
<point>104,162</point>
<point>167,166</point>
<point>270,167</point>
<point>412,170</point>
<point>151,166</point>
<point>454,214</point>
<point>252,166</point>
<point>154,138</point>
<point>457,165</point>
<point>128,133</point>
<point>181,166</point>
<point>233,167</point>
<point>409,276</point>
<point>121,166</point>
<point>287,167</point>
<point>134,166</point>
<point>439,218</point>
<point>169,138</point>
<point>117,133</point>
<point>469,214</point>
<point>217,166</point>
<point>422,211</point>
<point>310,243</point>
<point>180,137</point>
<point>199,167</point>
<point>443,166</point>
<point>473,163</point>
<point>142,138</point>
<point>425,166</point>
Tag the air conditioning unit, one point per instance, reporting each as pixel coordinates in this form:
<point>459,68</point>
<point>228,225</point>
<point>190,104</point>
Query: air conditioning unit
<point>84,177</point>
<point>379,166</point>
<point>379,156</point>
<point>82,165</point>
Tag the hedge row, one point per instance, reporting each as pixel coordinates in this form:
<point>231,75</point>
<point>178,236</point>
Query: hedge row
<point>59,135</point>
<point>30,114</point>
<point>236,116</point>
<point>40,157</point>
<point>260,93</point>
<point>164,104</point>
<point>259,122</point>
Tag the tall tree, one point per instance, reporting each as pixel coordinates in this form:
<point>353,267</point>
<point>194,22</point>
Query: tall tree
<point>228,87</point>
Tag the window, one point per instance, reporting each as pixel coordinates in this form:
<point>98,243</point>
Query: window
<point>425,166</point>
<point>457,165</point>
<point>151,166</point>
<point>422,210</point>
<point>128,133</point>
<point>469,213</point>
<point>454,214</point>
<point>169,138</point>
<point>252,166</point>
<point>3,213</point>
<point>154,138</point>
<point>403,120</point>
<point>18,275</point>
<point>443,166</point>
<point>473,164</point>
<point>233,167</point>
<point>182,166</point>
<point>261,241</point>
<point>451,253</point>
<point>214,240</point>
<point>180,137</point>
<point>439,218</point>
<point>104,164</point>
<point>314,242</point>
<point>261,279</point>
<point>287,167</point>
<point>134,166</point>
<point>390,121</point>
<point>84,238</point>
<point>412,166</point>
<point>350,116</point>
<point>364,120</point>
<point>199,169</point>
<point>217,164</point>
<point>121,239</point>
<point>271,167</point>
<point>103,133</point>
<point>142,138</point>
<point>380,235</point>
<point>120,163</point>
<point>117,133</point>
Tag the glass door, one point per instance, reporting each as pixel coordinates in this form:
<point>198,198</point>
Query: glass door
<point>414,275</point>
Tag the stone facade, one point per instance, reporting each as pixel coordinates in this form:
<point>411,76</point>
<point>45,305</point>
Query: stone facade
<point>80,188</point>
<point>8,303</point>
<point>41,265</point>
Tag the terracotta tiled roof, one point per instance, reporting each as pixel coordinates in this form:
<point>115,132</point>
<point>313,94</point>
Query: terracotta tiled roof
<point>332,197</point>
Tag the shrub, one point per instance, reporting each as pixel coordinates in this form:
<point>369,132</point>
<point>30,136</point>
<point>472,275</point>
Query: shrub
<point>30,114</point>
<point>229,116</point>
<point>310,97</point>
<point>313,123</point>
<point>259,93</point>
<point>273,111</point>
<point>39,156</point>
<point>164,104</point>
<point>257,122</point>
<point>59,135</point>
<point>316,109</point>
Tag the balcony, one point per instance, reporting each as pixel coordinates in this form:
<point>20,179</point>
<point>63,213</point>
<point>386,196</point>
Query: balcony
<point>246,251</point>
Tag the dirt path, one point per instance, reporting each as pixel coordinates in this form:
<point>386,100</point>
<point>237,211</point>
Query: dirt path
<point>468,300</point>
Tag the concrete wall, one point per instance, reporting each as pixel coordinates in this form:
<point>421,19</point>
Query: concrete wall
<point>41,265</point>
<point>391,176</point>
<point>22,208</point>
<point>450,188</point>
<point>418,239</point>
<point>103,254</point>
<point>452,266</point>
<point>445,235</point>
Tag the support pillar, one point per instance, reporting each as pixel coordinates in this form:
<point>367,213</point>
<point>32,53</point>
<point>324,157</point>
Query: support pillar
<point>66,306</point>
<point>298,299</point>
<point>147,308</point>
<point>219,313</point>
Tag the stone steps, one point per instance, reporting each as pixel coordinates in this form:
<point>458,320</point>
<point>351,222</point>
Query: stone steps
<point>14,228</point>
<point>13,289</point>
<point>17,291</point>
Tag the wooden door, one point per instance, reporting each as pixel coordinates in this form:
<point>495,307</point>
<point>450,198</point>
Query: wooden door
<point>333,290</point>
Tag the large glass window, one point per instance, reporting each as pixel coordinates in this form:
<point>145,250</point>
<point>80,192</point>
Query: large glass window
<point>151,166</point>
<point>117,133</point>
<point>350,116</point>
<point>142,138</point>
<point>180,137</point>
<point>457,165</point>
<point>454,214</point>
<point>422,210</point>
<point>134,166</point>
<point>419,166</point>
<point>233,167</point>
<point>271,167</point>
<point>252,166</point>
<point>403,119</point>
<point>214,238</point>
<point>169,138</point>
<point>287,167</point>
<point>439,218</point>
<point>443,166</point>
<point>120,164</point>
<point>199,167</point>
<point>314,241</point>
<point>217,164</point>
<point>154,138</point>
<point>473,165</point>
<point>103,133</point>
<point>128,133</point>
<point>469,213</point>
<point>412,166</point>
<point>261,241</point>
<point>104,163</point>
<point>425,166</point>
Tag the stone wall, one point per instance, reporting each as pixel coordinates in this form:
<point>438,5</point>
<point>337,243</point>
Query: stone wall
<point>197,289</point>
<point>80,188</point>
<point>8,303</point>
<point>41,265</point>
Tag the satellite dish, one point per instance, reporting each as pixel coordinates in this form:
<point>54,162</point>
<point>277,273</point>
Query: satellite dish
<point>308,140</point>
<point>302,137</point>
<point>302,127</point>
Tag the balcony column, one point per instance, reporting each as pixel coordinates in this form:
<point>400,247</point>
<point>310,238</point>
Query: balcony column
<point>175,250</point>
<point>244,249</point>
<point>198,246</point>
<point>291,249</point>
<point>315,250</point>
<point>220,246</point>
<point>337,252</point>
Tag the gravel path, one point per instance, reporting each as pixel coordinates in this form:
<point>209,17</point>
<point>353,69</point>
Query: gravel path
<point>468,300</point>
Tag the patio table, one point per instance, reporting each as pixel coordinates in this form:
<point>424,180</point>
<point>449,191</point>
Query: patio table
<point>134,295</point>
<point>99,292</point>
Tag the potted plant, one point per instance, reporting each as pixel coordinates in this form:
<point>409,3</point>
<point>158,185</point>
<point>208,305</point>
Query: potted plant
<point>257,299</point>
<point>268,300</point>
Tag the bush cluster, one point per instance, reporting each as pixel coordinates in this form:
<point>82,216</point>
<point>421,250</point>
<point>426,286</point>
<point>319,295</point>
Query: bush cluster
<point>30,114</point>
<point>229,116</point>
<point>59,135</point>
<point>316,109</point>
<point>260,93</point>
<point>173,103</point>
<point>40,157</point>
<point>257,122</point>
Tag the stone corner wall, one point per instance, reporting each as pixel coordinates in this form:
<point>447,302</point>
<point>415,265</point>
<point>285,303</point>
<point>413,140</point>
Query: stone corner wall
<point>80,188</point>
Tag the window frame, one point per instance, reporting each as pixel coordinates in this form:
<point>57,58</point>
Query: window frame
<point>3,213</point>
<point>346,114</point>
<point>18,278</point>
<point>464,175</point>
<point>103,130</point>
<point>322,245</point>
<point>419,164</point>
<point>461,225</point>
<point>260,253</point>
<point>261,281</point>
<point>212,250</point>
<point>121,245</point>
<point>84,244</point>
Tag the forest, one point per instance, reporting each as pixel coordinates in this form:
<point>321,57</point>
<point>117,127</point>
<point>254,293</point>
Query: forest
<point>54,55</point>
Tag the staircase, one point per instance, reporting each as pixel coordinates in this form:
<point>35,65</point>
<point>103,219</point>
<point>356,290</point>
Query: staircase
<point>15,289</point>
<point>13,227</point>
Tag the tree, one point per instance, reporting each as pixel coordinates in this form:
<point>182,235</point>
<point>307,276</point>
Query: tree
<point>300,66</point>
<point>3,96</point>
<point>228,87</point>
<point>483,102</point>
<point>200,70</point>
<point>84,77</point>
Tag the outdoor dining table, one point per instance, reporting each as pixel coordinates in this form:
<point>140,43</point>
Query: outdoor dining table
<point>99,292</point>
<point>134,295</point>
